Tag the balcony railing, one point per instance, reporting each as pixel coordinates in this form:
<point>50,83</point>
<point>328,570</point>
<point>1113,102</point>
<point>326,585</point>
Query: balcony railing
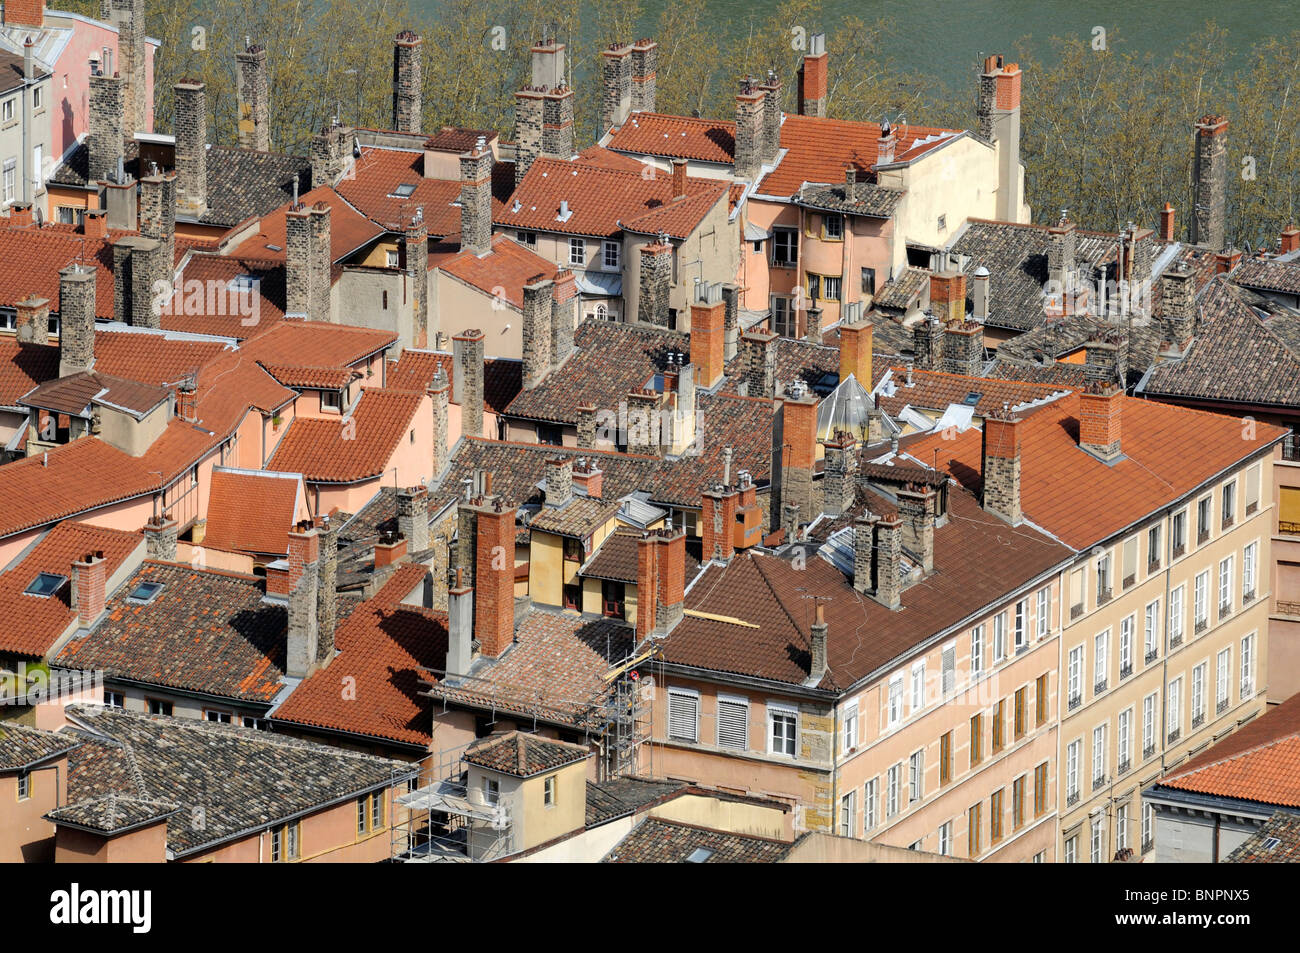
<point>1202,625</point>
<point>1153,565</point>
<point>1147,844</point>
<point>1198,721</point>
<point>1175,640</point>
<point>1202,536</point>
<point>1227,521</point>
<point>1221,706</point>
<point>1248,597</point>
<point>1151,655</point>
<point>1148,752</point>
<point>1129,580</point>
<point>1175,735</point>
<point>1099,782</point>
<point>1125,671</point>
<point>1104,596</point>
<point>1225,609</point>
<point>1076,611</point>
<point>1180,550</point>
<point>1099,687</point>
<point>1072,800</point>
<point>1122,768</point>
<point>1075,701</point>
<point>1251,508</point>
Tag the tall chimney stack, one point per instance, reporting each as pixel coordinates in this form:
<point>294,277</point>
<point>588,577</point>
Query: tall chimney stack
<point>655,282</point>
<point>1210,175</point>
<point>191,125</point>
<point>998,116</point>
<point>616,85</point>
<point>327,600</point>
<point>817,665</point>
<point>105,136</point>
<point>408,82</point>
<point>645,59</point>
<point>128,17</point>
<point>254,106</point>
<point>1101,411</point>
<point>476,199</point>
<point>814,78</point>
<point>771,118</point>
<point>536,331</point>
<point>76,320</point>
<point>467,380</point>
<point>707,317</point>
<point>749,130</point>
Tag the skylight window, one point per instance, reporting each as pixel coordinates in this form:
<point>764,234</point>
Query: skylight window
<point>144,592</point>
<point>699,855</point>
<point>46,584</point>
<point>1272,843</point>
<point>972,398</point>
<point>404,191</point>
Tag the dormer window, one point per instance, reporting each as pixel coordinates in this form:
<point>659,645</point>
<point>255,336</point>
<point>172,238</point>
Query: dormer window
<point>45,585</point>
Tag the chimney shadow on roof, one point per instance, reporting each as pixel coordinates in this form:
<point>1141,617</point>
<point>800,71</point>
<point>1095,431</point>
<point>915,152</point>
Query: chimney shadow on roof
<point>723,139</point>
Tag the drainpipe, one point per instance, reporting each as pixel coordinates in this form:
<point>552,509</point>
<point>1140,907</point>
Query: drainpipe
<point>835,766</point>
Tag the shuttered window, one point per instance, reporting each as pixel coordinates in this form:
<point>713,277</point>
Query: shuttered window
<point>733,723</point>
<point>683,715</point>
<point>945,758</point>
<point>1040,789</point>
<point>949,669</point>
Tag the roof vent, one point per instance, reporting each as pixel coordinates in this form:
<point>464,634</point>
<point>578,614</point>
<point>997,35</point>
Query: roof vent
<point>565,212</point>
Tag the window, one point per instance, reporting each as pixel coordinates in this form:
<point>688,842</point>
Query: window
<point>976,739</point>
<point>733,722</point>
<point>10,175</point>
<point>1252,489</point>
<point>1020,715</point>
<point>976,650</point>
<point>848,811</point>
<point>1103,579</point>
<point>114,699</point>
<point>999,725</point>
<point>1100,661</point>
<point>548,791</point>
<point>1198,694</point>
<point>683,714</point>
<point>1225,586</point>
<point>1249,559</point>
<point>1040,701</point>
<point>1229,501</point>
<point>1130,561</point>
<point>895,700</point>
<point>577,251</point>
<point>1153,548</point>
<point>833,227</point>
<point>1124,741</point>
<point>999,637</point>
<point>1018,803</point>
<point>611,256</point>
<point>24,785</point>
<point>1098,756</point>
<point>1072,850</point>
<point>850,729</point>
<point>36,97</point>
<point>916,776</point>
<point>995,817</point>
<point>1177,610</point>
<point>158,707</point>
<point>1040,790</point>
<point>1149,726</point>
<point>945,758</point>
<point>1075,676</point>
<point>1077,583</point>
<point>528,239</point>
<point>1201,601</point>
<point>284,843</point>
<point>918,687</point>
<point>783,317</point>
<point>868,281</point>
<point>1174,703</point>
<point>331,400</point>
<point>785,247</point>
<point>973,824</point>
<point>1098,840</point>
<point>949,661</point>
<point>870,794</point>
<point>220,717</point>
<point>491,790</point>
<point>363,814</point>
<point>1022,625</point>
<point>1121,827</point>
<point>1040,857</point>
<point>1202,519</point>
<point>823,287</point>
<point>1072,752</point>
<point>1148,827</point>
<point>1151,631</point>
<point>1247,667</point>
<point>1222,673</point>
<point>945,839</point>
<point>891,790</point>
<point>1043,614</point>
<point>1126,648</point>
<point>783,725</point>
<point>391,258</point>
<point>1178,528</point>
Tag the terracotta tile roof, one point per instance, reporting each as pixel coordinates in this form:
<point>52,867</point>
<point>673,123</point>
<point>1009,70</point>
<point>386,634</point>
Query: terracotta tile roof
<point>379,172</point>
<point>325,451</point>
<point>349,229</point>
<point>509,266</point>
<point>457,139</point>
<point>503,377</point>
<point>205,631</point>
<point>934,391</point>
<point>77,394</point>
<point>113,813</point>
<point>1057,373</point>
<point>153,357</point>
<point>1069,336</point>
<point>580,517</point>
<point>1155,470</point>
<point>384,645</point>
<point>554,671</point>
<point>302,377</point>
<point>31,258</point>
<point>54,485</point>
<point>1277,842</point>
<point>316,344</point>
<point>23,366</point>
<point>616,558</point>
<point>603,201</point>
<point>618,797</point>
<point>656,841</point>
<point>1259,762</point>
<point>660,134</point>
<point>44,619</point>
<point>21,746</point>
<point>871,201</point>
<point>266,303</point>
<point>227,780</point>
<point>522,755</point>
<point>251,512</point>
<point>1269,274</point>
<point>817,365</point>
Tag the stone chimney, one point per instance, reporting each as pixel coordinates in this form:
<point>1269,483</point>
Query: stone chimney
<point>963,348</point>
<point>331,153</point>
<point>717,521</point>
<point>548,80</point>
<point>731,321</point>
<point>917,510</point>
<point>460,626</point>
<point>1001,466</point>
<point>587,426</point>
<point>476,199</point>
<point>467,380</point>
<point>771,118</point>
<point>707,333</point>
<point>106,132</point>
<point>817,665</point>
<point>814,78</point>
<point>190,120</point>
<point>749,130</point>
<point>1062,266</point>
<point>998,116</point>
<point>1167,222</point>
<point>839,480</point>
<point>303,573</point>
<point>1178,304</point>
<point>158,212</point>
<point>927,343</point>
<point>616,84</point>
<point>414,256</point>
<point>758,349</point>
<point>1210,179</point>
<point>1101,412</point>
<point>981,294</point>
<point>160,538</point>
<point>129,18</point>
<point>645,59</point>
<point>1289,240</point>
<point>307,262</point>
<point>440,393</point>
<point>327,597</point>
<point>796,428</point>
<point>494,574</point>
<point>76,320</point>
<point>120,203</point>
<point>559,481</point>
<point>32,320</point>
<point>948,296</point>
<point>1106,357</point>
<point>670,603</point>
<point>254,104</point>
<point>813,325</point>
<point>564,301</point>
<point>528,130</point>
<point>643,423</point>
<point>408,84</point>
<point>864,553</point>
<point>536,330</point>
<point>790,521</point>
<point>89,588</point>
<point>655,281</point>
<point>137,268</point>
<point>413,517</point>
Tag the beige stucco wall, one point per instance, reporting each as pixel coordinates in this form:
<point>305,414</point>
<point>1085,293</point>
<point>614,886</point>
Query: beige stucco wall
<point>25,836</point>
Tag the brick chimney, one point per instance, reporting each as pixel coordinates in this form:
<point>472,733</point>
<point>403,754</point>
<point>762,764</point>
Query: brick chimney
<point>749,130</point>
<point>1167,222</point>
<point>758,353</point>
<point>390,550</point>
<point>106,132</point>
<point>796,429</point>
<point>1226,261</point>
<point>186,401</point>
<point>998,116</point>
<point>647,584</point>
<point>302,581</point>
<point>467,380</point>
<point>855,352</point>
<point>536,331</point>
<point>918,510</point>
<point>476,199</point>
<point>254,106</point>
<point>671,562</point>
<point>963,348</point>
<point>817,638</point>
<point>886,145</point>
<point>528,130</point>
<point>587,426</point>
<point>589,478</point>
<point>1101,411</point>
<point>32,320</point>
<point>548,79</point>
<point>814,77</point>
<point>408,84</point>
<point>564,305</point>
<point>1001,466</point>
<point>878,558</point>
<point>948,296</point>
<point>76,320</point>
<point>440,393</point>
<point>616,86</point>
<point>708,316</point>
<point>21,215</point>
<point>813,325</point>
<point>559,481</point>
<point>494,575</point>
<point>190,120</point>
<point>307,262</point>
<point>679,177</point>
<point>24,13</point>
<point>327,597</point>
<point>160,538</point>
<point>158,211</point>
<point>645,58</point>
<point>839,480</point>
<point>771,118</point>
<point>95,224</point>
<point>748,528</point>
<point>730,321</point>
<point>719,506</point>
<point>89,588</point>
<point>413,517</point>
<point>654,282</point>
<point>1290,240</point>
<point>1210,180</point>
<point>460,626</point>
